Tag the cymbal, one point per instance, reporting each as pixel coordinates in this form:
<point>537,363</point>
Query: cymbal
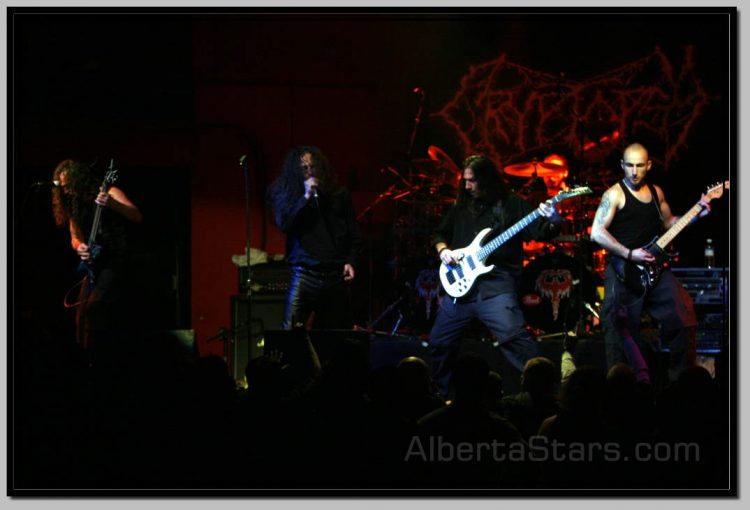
<point>538,168</point>
<point>435,171</point>
<point>436,166</point>
<point>437,154</point>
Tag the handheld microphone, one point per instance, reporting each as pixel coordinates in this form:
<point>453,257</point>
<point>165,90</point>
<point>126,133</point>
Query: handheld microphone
<point>54,184</point>
<point>315,195</point>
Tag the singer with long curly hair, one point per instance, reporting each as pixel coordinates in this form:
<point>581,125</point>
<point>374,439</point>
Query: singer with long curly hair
<point>322,240</point>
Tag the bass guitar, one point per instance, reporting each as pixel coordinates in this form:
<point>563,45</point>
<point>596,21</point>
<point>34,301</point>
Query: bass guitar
<point>641,277</point>
<point>88,266</point>
<point>459,278</point>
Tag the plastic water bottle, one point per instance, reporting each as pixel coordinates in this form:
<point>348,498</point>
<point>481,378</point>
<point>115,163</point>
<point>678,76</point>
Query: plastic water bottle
<point>708,253</point>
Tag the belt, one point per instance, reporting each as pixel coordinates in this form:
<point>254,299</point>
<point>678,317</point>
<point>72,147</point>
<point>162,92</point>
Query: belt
<point>319,270</point>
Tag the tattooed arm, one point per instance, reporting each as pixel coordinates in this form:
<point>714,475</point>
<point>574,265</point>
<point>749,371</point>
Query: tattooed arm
<point>613,200</point>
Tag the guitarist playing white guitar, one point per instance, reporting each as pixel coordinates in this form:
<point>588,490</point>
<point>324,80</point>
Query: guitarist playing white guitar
<point>631,214</point>
<point>485,284</point>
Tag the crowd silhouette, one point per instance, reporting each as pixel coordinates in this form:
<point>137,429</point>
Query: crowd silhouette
<point>160,419</point>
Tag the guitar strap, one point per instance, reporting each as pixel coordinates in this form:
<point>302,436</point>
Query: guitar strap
<point>654,199</point>
<point>498,212</point>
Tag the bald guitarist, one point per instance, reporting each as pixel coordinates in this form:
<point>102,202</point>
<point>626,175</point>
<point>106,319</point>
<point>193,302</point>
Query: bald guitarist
<point>632,213</point>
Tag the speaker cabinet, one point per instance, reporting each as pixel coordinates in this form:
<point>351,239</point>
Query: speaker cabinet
<point>250,318</point>
<point>326,342</point>
<point>388,351</point>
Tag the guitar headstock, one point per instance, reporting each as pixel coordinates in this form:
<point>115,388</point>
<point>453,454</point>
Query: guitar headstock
<point>717,190</point>
<point>573,192</point>
<point>110,177</point>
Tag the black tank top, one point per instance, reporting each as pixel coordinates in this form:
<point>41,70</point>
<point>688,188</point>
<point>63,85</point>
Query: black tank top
<point>636,224</point>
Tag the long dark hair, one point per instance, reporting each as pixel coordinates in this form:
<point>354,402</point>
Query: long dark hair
<point>492,187</point>
<point>288,186</point>
<point>75,202</point>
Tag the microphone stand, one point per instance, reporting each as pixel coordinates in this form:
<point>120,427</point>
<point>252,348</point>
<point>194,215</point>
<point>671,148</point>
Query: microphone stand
<point>582,244</point>
<point>248,277</point>
<point>413,137</point>
<point>248,274</point>
<point>411,188</point>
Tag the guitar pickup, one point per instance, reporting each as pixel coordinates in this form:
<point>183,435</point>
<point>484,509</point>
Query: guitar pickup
<point>470,261</point>
<point>450,277</point>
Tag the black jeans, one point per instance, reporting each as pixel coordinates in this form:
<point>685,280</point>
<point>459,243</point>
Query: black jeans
<point>501,314</point>
<point>667,302</point>
<point>323,292</point>
<point>104,318</point>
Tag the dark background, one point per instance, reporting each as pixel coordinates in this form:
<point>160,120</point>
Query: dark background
<point>177,97</point>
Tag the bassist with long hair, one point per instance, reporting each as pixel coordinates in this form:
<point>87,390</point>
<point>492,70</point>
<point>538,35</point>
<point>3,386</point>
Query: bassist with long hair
<point>93,210</point>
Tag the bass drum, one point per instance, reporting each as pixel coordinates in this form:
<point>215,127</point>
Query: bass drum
<point>550,292</point>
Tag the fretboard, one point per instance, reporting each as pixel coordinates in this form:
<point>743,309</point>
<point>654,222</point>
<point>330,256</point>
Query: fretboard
<point>680,224</point>
<point>497,242</point>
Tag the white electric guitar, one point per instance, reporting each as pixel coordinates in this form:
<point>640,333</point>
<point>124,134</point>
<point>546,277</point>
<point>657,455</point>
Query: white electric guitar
<point>458,278</point>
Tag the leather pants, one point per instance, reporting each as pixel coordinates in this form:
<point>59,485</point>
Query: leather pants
<point>323,293</point>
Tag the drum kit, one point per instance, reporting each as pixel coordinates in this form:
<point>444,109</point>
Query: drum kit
<point>561,280</point>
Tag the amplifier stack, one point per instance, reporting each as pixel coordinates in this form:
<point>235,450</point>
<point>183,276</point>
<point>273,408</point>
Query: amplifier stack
<point>709,288</point>
<point>271,279</point>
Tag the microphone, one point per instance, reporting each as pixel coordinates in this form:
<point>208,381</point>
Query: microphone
<point>315,195</point>
<point>54,184</point>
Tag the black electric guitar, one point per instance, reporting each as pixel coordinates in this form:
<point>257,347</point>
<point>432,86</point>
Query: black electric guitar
<point>639,278</point>
<point>89,266</point>
<point>459,278</point>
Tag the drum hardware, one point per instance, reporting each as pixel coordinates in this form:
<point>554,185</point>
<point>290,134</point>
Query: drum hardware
<point>381,197</point>
<point>542,336</point>
<point>437,154</point>
<point>566,309</point>
<point>554,290</point>
<point>591,309</point>
<point>419,199</point>
<point>388,310</point>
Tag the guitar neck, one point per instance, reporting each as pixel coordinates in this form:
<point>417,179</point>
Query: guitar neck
<point>109,178</point>
<point>95,225</point>
<point>97,218</point>
<point>493,245</point>
<point>680,224</point>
